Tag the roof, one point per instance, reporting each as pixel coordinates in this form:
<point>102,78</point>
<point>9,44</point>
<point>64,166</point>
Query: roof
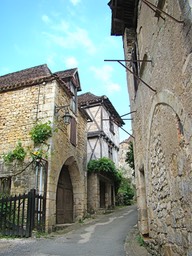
<point>70,74</point>
<point>24,77</point>
<point>88,99</point>
<point>67,73</point>
<point>124,15</point>
<point>35,75</point>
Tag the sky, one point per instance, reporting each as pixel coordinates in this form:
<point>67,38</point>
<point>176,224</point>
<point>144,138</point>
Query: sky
<point>66,34</point>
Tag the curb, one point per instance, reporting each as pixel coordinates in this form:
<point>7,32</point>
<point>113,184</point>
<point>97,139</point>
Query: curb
<point>132,246</point>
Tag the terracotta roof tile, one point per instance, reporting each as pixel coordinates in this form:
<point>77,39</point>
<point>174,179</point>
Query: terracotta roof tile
<point>70,74</point>
<point>24,76</point>
<point>88,99</point>
<point>66,73</point>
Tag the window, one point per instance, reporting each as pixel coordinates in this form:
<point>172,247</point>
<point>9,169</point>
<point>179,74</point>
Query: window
<point>143,65</point>
<point>111,125</point>
<point>73,104</point>
<point>110,152</point>
<point>5,186</point>
<point>73,135</point>
<point>135,66</point>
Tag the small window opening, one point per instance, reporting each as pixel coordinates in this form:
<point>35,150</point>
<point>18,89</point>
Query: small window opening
<point>5,186</point>
<point>135,67</point>
<point>74,98</point>
<point>110,152</point>
<point>143,65</point>
<point>111,125</point>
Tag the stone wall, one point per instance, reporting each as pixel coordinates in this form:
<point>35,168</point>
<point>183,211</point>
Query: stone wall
<point>94,197</point>
<point>20,110</point>
<point>127,171</point>
<point>64,153</point>
<point>162,127</point>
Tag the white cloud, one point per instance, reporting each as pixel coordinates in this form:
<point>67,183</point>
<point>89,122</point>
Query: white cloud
<point>104,74</point>
<point>71,39</point>
<point>63,26</point>
<point>45,19</point>
<point>71,62</point>
<point>80,36</point>
<point>75,2</point>
<point>113,87</point>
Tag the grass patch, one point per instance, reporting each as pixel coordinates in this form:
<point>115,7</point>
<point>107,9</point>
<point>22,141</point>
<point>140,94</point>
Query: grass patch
<point>140,240</point>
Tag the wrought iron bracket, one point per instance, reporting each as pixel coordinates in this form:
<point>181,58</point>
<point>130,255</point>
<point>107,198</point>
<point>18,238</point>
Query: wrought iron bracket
<point>151,6</point>
<point>136,76</point>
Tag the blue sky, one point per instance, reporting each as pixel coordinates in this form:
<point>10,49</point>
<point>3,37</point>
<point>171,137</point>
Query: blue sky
<point>66,34</point>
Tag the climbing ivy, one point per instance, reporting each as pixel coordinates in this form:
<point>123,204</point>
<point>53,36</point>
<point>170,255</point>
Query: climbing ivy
<point>41,132</point>
<point>107,167</point>
<point>18,153</point>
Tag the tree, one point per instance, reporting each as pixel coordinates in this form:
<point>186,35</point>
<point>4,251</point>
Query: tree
<point>130,156</point>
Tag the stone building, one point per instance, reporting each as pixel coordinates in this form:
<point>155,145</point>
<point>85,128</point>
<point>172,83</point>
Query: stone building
<point>36,95</point>
<point>157,41</point>
<point>126,170</point>
<point>102,141</point>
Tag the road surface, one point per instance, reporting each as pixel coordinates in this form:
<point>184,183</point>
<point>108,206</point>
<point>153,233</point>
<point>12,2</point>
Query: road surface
<point>103,236</point>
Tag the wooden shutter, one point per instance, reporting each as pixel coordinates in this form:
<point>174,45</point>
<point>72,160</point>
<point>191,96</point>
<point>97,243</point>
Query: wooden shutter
<point>73,135</point>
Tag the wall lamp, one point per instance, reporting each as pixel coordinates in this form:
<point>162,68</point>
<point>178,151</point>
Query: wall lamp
<point>67,116</point>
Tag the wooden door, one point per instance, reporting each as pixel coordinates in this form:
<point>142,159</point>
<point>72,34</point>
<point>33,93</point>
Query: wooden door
<point>102,194</point>
<point>64,200</point>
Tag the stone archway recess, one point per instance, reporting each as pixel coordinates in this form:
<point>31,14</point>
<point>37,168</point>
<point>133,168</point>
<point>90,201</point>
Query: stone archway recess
<point>70,193</point>
<point>64,200</point>
<point>166,163</point>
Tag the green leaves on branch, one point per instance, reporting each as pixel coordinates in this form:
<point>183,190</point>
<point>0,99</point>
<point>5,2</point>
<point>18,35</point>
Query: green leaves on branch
<point>41,132</point>
<point>130,156</point>
<point>106,167</point>
<point>18,153</point>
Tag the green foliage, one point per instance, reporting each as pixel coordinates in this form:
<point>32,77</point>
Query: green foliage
<point>140,240</point>
<point>105,166</point>
<point>41,132</point>
<point>125,193</point>
<point>130,156</point>
<point>17,154</point>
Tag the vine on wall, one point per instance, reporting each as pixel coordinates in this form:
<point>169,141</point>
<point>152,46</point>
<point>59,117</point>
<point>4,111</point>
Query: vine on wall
<point>40,133</point>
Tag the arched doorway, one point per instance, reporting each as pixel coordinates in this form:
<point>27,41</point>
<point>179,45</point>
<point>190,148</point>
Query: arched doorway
<point>64,201</point>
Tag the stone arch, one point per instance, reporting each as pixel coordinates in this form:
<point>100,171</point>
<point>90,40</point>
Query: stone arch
<point>167,163</point>
<point>167,98</point>
<point>74,191</point>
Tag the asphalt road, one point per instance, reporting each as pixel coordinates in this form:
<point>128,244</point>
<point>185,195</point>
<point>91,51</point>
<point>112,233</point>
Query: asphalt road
<point>103,236</point>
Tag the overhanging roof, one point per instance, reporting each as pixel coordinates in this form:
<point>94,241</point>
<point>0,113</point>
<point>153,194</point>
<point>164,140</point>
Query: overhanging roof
<point>124,15</point>
<point>88,99</point>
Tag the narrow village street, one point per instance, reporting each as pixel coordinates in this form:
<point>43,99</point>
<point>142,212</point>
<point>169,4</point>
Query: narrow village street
<point>103,236</point>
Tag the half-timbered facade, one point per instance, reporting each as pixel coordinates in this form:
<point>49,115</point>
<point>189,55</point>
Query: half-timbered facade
<point>103,131</point>
<point>102,141</point>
